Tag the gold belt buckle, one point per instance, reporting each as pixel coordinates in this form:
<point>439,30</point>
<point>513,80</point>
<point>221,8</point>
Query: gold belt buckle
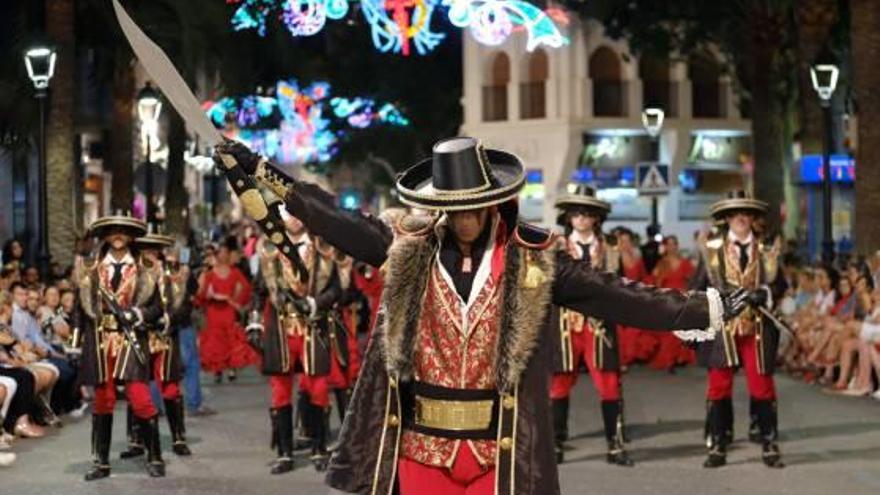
<point>453,415</point>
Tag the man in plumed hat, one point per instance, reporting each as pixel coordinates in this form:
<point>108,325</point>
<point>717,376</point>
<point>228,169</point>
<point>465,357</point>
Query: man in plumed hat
<point>738,258</point>
<point>452,396</point>
<point>581,339</point>
<point>114,344</point>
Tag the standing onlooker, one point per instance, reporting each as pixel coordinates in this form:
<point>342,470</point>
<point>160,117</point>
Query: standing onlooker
<point>189,349</point>
<point>651,249</point>
<point>223,292</point>
<point>672,272</point>
<point>13,255</point>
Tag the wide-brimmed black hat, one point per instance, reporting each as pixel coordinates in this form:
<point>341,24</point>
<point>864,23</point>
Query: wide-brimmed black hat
<point>461,175</point>
<point>131,226</point>
<point>154,239</point>
<point>737,200</point>
<point>581,197</point>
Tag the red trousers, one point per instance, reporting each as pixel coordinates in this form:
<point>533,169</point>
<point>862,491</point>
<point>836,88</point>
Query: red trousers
<point>467,477</point>
<point>761,387</point>
<point>282,385</point>
<point>168,389</point>
<point>138,394</point>
<point>607,383</point>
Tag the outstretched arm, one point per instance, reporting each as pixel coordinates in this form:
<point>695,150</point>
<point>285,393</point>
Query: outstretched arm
<point>360,236</point>
<point>607,296</point>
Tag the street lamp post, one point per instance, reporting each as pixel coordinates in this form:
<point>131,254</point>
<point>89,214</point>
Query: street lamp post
<point>40,64</point>
<point>824,78</point>
<point>149,109</point>
<point>652,120</point>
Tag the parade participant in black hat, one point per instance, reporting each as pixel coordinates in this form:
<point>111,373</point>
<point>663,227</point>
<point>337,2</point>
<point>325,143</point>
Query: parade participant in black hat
<point>580,339</point>
<point>164,339</point>
<point>290,325</point>
<point>453,390</point>
<point>737,258</point>
<point>115,346</point>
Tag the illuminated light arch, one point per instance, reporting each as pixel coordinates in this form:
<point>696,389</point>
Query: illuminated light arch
<point>398,26</point>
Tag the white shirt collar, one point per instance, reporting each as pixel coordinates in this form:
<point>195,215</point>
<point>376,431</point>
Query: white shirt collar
<point>484,271</point>
<point>733,238</point>
<point>575,236</point>
<point>128,259</point>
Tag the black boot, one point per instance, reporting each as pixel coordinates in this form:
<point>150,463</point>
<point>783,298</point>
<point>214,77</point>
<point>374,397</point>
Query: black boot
<point>612,417</point>
<point>754,429</point>
<point>342,397</point>
<point>716,437</point>
<point>560,426</point>
<point>283,426</point>
<point>135,442</point>
<point>150,434</point>
<point>174,413</point>
<point>319,419</point>
<point>727,420</point>
<point>303,439</point>
<point>765,412</point>
<point>102,430</point>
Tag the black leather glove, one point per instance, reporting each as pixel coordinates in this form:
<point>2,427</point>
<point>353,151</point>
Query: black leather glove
<point>758,298</point>
<point>302,306</point>
<point>735,303</point>
<point>243,156</point>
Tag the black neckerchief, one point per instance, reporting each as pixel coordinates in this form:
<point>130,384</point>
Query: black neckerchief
<point>451,257</point>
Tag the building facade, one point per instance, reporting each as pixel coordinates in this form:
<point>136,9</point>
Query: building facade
<point>573,114</point>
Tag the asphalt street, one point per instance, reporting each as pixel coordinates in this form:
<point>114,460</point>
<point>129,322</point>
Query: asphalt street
<point>831,445</point>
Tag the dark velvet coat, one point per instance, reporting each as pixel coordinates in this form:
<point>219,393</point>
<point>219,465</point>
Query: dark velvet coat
<point>535,276</point>
<point>269,297</point>
<point>89,313</point>
<point>714,353</point>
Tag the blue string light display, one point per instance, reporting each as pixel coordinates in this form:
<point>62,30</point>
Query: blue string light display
<point>298,125</point>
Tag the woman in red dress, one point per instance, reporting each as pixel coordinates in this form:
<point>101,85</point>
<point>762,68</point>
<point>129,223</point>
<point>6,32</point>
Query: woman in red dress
<point>223,292</point>
<point>672,272</point>
<point>635,344</point>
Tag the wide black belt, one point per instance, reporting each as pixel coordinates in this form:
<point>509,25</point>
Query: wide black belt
<point>462,414</point>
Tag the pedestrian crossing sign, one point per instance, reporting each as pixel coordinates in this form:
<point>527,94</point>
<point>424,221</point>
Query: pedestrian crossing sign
<point>653,178</point>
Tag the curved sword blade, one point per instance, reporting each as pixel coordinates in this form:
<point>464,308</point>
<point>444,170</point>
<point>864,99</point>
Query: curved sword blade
<point>166,77</point>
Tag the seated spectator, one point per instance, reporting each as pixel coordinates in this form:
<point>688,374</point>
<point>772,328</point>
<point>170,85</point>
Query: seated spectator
<point>31,277</point>
<point>832,330</point>
<point>17,419</point>
<point>807,321</point>
<point>40,357</point>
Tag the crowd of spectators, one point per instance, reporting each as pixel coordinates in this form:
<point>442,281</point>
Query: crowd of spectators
<point>38,367</point>
<point>834,317</point>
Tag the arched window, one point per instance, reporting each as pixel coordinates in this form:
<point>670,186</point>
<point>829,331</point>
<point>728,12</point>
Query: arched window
<point>657,89</point>
<point>704,73</point>
<point>532,92</point>
<point>607,76</point>
<point>495,88</point>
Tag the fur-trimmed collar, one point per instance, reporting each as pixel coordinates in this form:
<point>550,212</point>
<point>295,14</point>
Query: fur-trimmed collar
<point>526,292</point>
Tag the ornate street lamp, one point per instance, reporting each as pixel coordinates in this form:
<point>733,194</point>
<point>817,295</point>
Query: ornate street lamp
<point>40,64</point>
<point>149,107</point>
<point>824,77</point>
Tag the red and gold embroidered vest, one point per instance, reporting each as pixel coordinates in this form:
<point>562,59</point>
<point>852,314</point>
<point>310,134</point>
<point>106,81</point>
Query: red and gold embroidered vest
<point>455,352</point>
